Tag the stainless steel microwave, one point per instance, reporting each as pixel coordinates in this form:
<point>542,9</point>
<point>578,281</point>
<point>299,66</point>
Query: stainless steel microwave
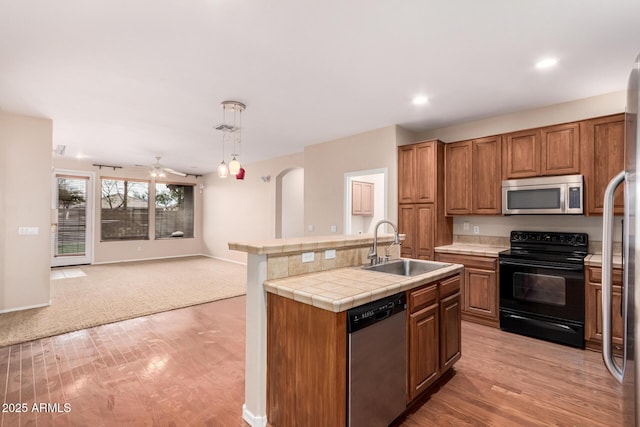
<point>551,195</point>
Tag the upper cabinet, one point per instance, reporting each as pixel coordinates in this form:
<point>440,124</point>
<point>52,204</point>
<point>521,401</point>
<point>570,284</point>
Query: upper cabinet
<point>602,156</point>
<point>417,178</point>
<point>552,150</point>
<point>472,177</point>
<point>361,198</point>
<point>458,178</point>
<point>521,154</point>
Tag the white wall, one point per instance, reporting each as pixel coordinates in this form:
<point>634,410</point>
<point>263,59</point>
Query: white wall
<point>235,210</point>
<point>25,201</point>
<point>325,167</point>
<point>106,252</point>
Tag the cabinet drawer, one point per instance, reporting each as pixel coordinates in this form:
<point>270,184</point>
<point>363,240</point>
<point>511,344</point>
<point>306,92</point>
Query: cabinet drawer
<point>423,297</point>
<point>472,261</point>
<point>594,275</point>
<point>449,286</point>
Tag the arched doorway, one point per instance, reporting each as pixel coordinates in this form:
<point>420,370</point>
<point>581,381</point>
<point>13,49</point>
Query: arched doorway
<point>290,203</point>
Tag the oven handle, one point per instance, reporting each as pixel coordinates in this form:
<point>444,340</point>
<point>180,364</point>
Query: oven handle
<point>555,266</point>
<point>607,289</point>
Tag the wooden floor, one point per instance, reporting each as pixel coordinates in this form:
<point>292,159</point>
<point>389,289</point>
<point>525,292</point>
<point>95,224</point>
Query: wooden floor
<point>186,367</point>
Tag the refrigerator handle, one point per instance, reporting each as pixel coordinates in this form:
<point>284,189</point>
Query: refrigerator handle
<point>607,289</point>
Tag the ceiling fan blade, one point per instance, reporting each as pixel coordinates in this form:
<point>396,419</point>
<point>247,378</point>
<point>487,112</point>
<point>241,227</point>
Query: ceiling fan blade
<point>175,172</point>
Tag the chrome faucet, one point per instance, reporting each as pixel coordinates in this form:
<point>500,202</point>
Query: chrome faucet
<point>373,252</point>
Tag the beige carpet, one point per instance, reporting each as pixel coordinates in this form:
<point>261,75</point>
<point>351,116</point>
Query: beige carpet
<point>112,292</point>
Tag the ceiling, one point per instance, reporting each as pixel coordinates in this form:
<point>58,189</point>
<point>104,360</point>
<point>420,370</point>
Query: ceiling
<point>126,80</point>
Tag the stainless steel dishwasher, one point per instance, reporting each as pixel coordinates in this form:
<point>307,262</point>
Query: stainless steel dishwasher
<point>377,362</point>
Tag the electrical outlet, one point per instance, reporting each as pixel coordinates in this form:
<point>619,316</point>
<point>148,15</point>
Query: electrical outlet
<point>330,254</point>
<point>465,226</point>
<point>310,227</point>
<point>476,229</point>
<point>307,257</point>
<point>333,228</point>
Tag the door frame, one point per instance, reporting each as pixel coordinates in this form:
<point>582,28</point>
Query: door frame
<point>62,261</point>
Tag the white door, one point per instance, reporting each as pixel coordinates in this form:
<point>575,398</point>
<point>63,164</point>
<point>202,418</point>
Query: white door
<point>72,218</point>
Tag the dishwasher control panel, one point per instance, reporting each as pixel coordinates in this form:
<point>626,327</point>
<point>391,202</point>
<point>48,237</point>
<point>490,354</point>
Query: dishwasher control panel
<point>367,314</point>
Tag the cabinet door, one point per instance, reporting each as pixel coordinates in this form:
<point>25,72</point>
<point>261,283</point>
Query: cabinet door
<point>480,293</point>
<point>425,227</point>
<point>407,225</point>
<point>450,336</point>
<point>361,198</point>
<point>406,174</point>
<point>458,178</point>
<point>560,150</point>
<point>521,154</point>
<point>426,172</point>
<point>593,321</point>
<point>602,151</point>
<point>487,179</point>
<point>423,350</point>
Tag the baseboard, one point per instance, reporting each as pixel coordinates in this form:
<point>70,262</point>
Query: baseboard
<point>147,259</point>
<point>26,307</point>
<point>251,419</point>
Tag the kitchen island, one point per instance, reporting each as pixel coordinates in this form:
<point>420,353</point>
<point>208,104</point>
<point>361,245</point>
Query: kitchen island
<point>320,278</point>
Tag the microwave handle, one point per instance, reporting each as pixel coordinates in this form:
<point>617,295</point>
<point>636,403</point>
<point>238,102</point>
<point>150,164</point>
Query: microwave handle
<point>563,195</point>
<point>607,289</point>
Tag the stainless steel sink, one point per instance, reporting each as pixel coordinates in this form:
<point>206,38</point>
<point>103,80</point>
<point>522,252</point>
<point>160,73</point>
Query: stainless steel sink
<point>407,267</point>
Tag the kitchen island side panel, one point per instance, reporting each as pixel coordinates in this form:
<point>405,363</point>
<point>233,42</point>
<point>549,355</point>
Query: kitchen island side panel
<point>306,366</point>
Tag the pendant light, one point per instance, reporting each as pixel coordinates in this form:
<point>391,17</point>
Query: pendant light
<point>223,170</point>
<point>231,132</point>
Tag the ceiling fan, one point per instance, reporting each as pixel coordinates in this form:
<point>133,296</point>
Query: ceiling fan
<point>158,170</point>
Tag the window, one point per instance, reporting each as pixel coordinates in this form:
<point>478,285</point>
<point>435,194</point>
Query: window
<point>124,210</point>
<point>174,211</point>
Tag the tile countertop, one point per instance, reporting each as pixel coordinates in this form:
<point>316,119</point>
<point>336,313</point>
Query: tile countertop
<point>471,249</point>
<point>344,288</point>
<point>595,260</point>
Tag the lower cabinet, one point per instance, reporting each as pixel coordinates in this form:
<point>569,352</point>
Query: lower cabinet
<point>479,291</point>
<point>433,338</point>
<point>593,309</point>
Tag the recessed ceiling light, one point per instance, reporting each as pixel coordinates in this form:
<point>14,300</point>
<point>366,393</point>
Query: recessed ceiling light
<point>546,63</point>
<point>420,100</point>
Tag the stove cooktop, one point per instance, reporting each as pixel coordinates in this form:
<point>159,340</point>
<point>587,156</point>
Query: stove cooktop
<point>548,246</point>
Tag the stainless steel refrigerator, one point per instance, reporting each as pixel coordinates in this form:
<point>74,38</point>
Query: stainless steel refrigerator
<point>624,370</point>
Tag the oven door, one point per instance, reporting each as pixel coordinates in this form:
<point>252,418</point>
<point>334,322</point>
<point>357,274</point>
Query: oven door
<point>549,289</point>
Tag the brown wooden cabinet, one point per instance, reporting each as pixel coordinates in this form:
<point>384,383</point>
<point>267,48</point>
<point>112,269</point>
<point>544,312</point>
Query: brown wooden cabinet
<point>433,334</point>
<point>458,178</point>
<point>421,195</point>
<point>602,156</point>
<point>551,150</point>
<point>417,172</point>
<point>521,154</point>
<point>560,150</point>
<point>423,341</point>
<point>479,293</point>
<point>593,309</point>
<point>361,198</point>
<point>472,177</point>
<point>450,317</point>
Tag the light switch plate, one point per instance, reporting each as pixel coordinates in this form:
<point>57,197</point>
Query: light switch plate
<point>307,257</point>
<point>28,231</point>
<point>330,254</point>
